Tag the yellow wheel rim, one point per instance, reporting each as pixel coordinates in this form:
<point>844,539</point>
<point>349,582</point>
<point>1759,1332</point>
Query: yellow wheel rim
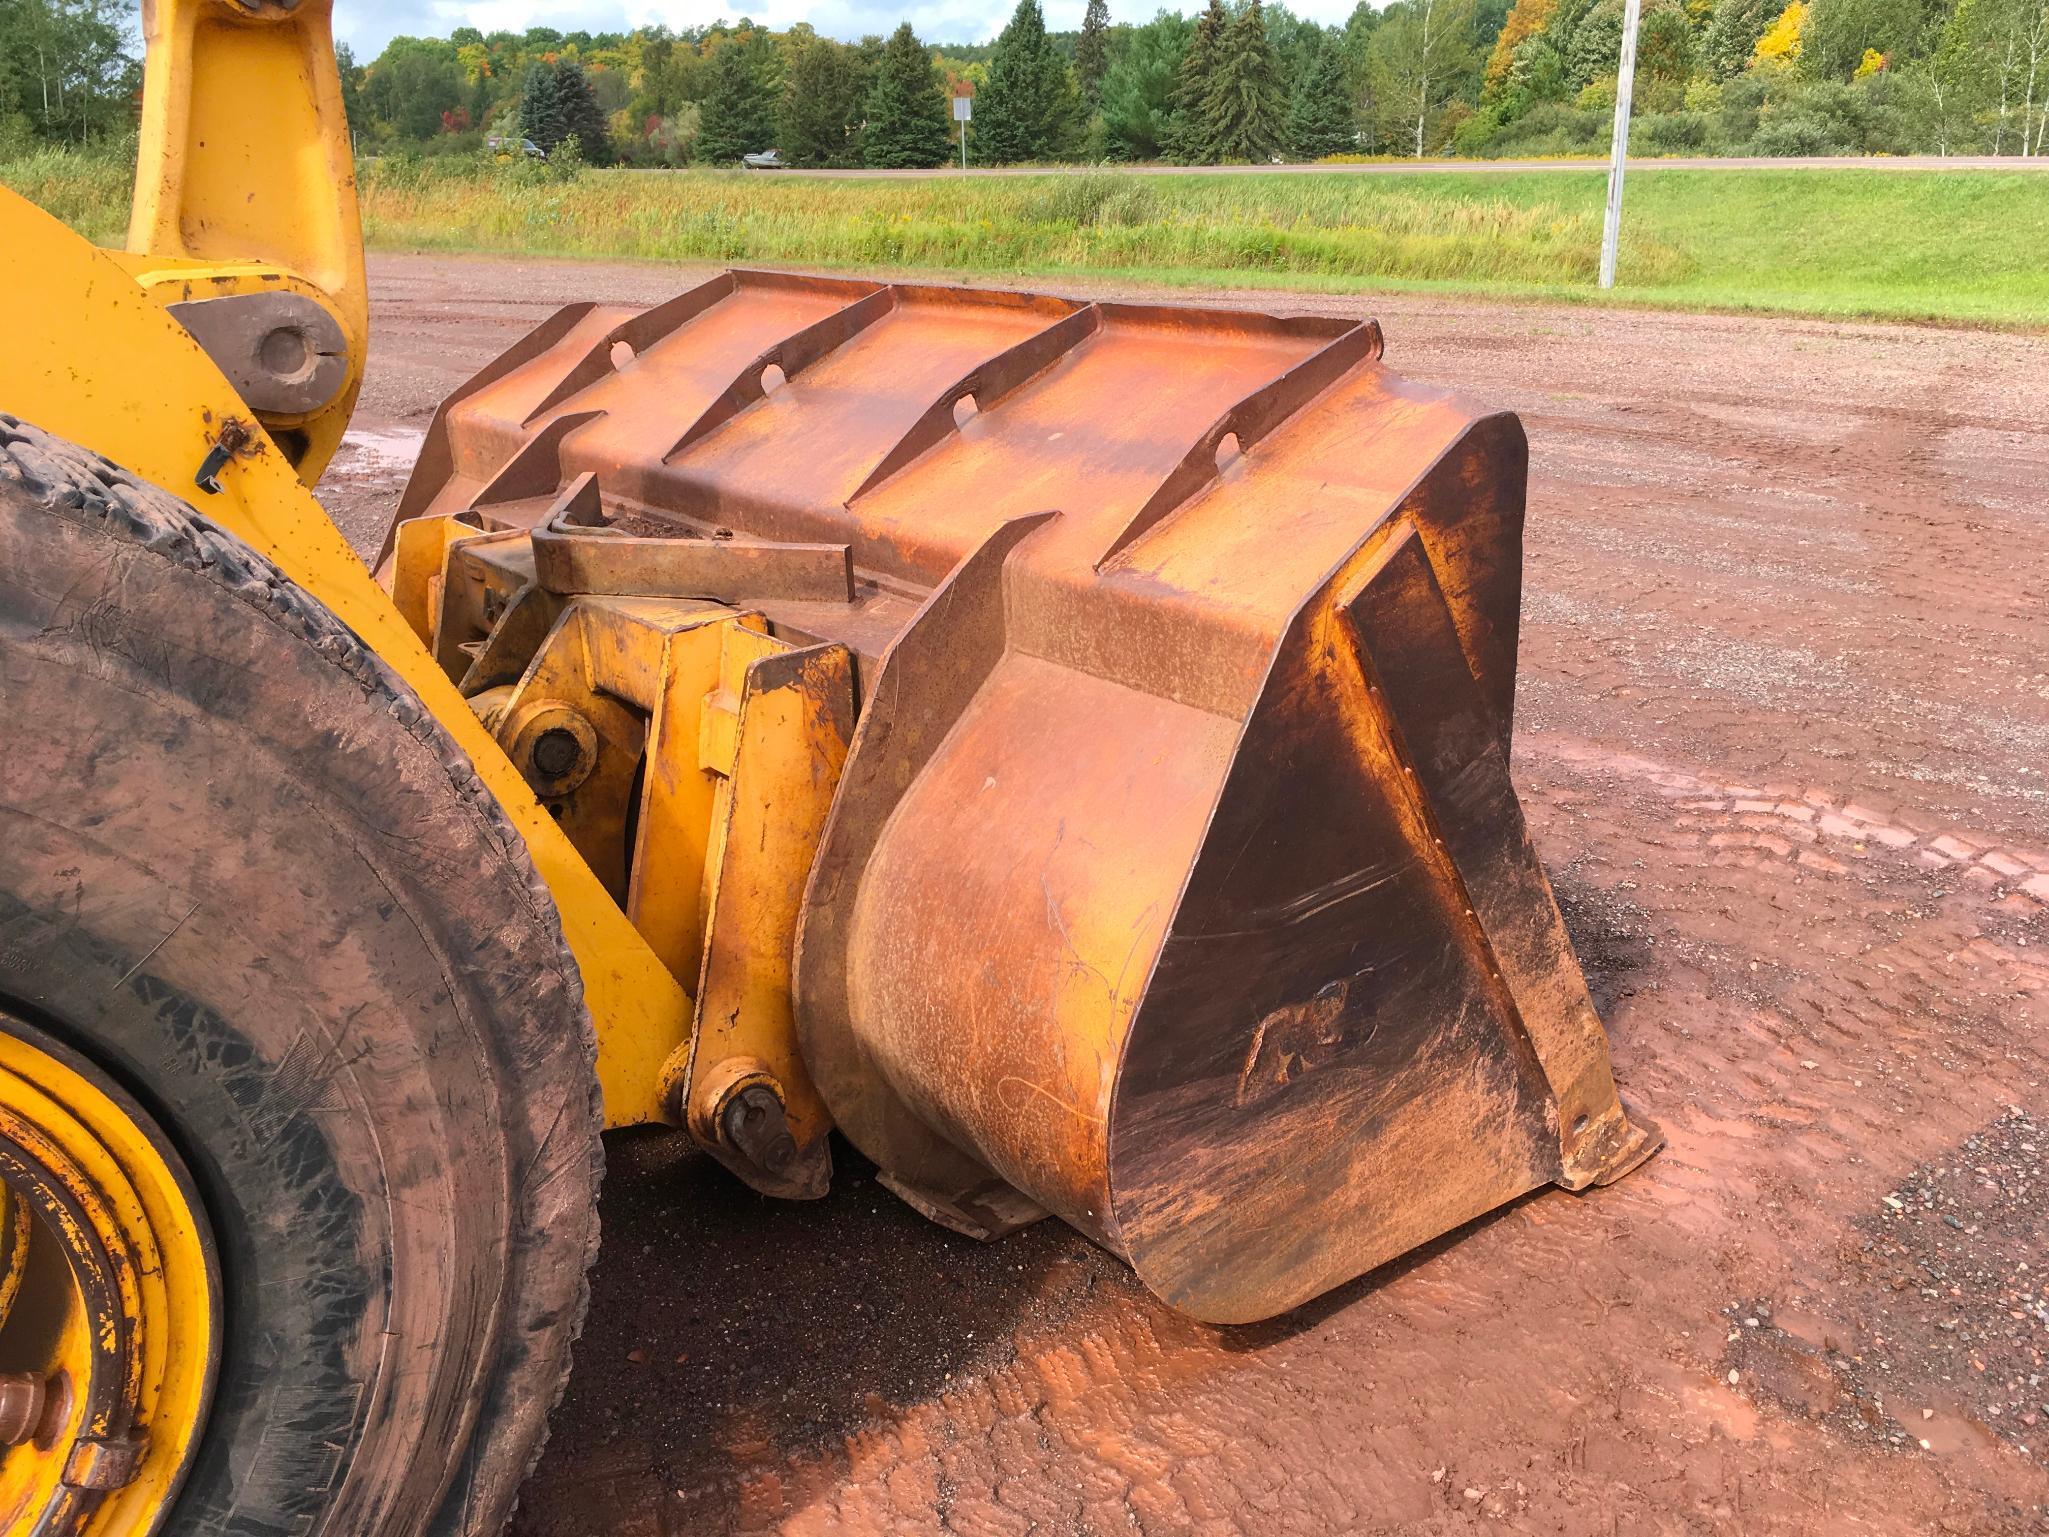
<point>109,1301</point>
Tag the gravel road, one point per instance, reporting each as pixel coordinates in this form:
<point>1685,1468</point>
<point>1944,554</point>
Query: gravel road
<point>1783,734</point>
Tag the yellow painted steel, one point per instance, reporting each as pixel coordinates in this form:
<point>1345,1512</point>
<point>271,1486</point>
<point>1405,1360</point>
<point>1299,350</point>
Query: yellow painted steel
<point>666,901</point>
<point>124,1331</point>
<point>679,666</point>
<point>90,357</point>
<point>418,560</point>
<point>775,733</point>
<point>14,1226</point>
<point>244,180</point>
<point>711,750</point>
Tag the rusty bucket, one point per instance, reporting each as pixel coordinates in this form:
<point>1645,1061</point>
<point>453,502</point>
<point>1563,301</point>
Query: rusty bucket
<point>1173,881</point>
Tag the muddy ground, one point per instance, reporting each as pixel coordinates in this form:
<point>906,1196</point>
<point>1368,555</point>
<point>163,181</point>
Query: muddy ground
<point>1783,734</point>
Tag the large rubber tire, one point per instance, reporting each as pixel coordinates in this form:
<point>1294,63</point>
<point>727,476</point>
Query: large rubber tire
<point>244,871</point>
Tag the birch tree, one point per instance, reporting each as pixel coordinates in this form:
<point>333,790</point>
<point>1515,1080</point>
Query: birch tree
<point>69,65</point>
<point>1998,53</point>
<point>2033,30</point>
<point>1421,52</point>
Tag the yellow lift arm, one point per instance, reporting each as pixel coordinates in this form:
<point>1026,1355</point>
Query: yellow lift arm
<point>245,230</point>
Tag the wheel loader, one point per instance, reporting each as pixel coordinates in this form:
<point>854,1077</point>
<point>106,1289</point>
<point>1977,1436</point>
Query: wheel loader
<point>1059,747</point>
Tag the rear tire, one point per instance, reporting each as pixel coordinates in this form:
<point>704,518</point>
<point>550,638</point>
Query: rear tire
<point>245,872</point>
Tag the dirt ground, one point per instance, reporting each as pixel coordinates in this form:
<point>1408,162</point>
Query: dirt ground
<point>1783,734</point>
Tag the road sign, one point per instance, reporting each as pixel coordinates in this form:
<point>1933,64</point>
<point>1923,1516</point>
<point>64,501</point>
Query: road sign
<point>963,108</point>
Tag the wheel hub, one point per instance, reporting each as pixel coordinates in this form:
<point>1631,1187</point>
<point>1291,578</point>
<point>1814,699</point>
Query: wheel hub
<point>109,1300</point>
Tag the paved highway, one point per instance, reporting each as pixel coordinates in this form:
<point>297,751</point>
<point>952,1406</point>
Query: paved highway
<point>1491,167</point>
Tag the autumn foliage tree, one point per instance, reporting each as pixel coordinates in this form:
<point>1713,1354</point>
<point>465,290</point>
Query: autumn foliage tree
<point>1412,77</point>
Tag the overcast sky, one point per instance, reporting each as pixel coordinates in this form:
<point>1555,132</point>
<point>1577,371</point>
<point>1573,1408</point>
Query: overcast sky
<point>367,25</point>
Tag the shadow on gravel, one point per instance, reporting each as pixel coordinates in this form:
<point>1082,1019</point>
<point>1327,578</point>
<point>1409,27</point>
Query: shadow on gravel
<point>734,1340</point>
<point>1611,934</point>
<point>731,1336</point>
<point>1250,1338</point>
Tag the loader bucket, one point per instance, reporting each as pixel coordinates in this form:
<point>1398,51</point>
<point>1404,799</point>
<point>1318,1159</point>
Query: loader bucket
<point>1174,882</point>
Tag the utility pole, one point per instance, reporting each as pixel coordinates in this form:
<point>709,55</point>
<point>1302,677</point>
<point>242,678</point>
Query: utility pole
<point>1625,83</point>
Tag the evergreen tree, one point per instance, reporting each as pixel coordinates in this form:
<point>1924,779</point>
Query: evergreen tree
<point>738,113</point>
<point>1138,90</point>
<point>819,122</point>
<point>907,107</point>
<point>1024,112</point>
<point>1295,40</point>
<point>351,74</point>
<point>1357,48</point>
<point>1244,111</point>
<point>540,108</point>
<point>1187,124</point>
<point>582,118</point>
<point>1320,118</point>
<point>1092,55</point>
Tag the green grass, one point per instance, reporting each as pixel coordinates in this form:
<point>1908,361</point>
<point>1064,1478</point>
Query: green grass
<point>1950,245</point>
<point>87,190</point>
<point>1912,245</point>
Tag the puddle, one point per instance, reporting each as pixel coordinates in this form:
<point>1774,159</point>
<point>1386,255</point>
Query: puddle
<point>392,450</point>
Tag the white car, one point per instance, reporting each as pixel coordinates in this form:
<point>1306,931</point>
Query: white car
<point>763,160</point>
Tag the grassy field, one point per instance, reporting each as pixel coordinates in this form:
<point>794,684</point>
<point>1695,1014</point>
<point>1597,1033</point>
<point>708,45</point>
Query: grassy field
<point>1948,245</point>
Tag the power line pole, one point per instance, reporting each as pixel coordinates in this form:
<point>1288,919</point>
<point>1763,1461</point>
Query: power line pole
<point>1625,83</point>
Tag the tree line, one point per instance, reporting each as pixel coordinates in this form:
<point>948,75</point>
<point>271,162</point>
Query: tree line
<point>1238,81</point>
<point>69,71</point>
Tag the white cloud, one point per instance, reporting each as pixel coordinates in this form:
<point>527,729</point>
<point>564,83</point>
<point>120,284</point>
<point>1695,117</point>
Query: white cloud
<point>367,25</point>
